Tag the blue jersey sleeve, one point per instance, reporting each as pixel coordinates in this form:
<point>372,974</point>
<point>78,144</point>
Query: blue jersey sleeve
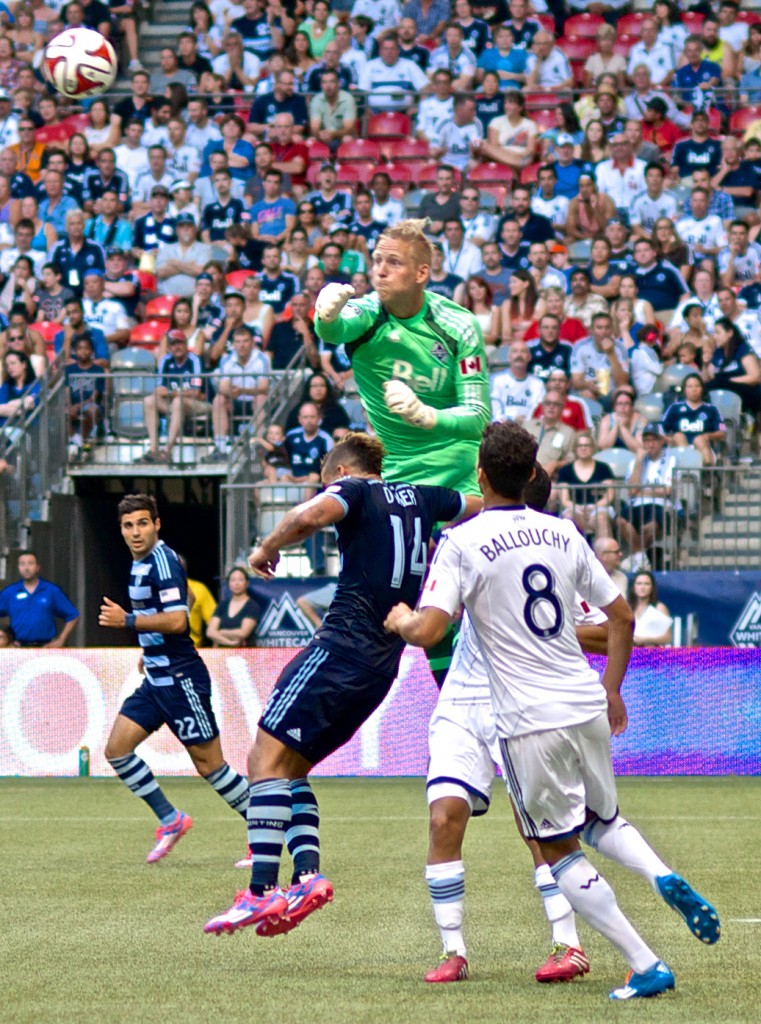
<point>350,494</point>
<point>169,582</point>
<point>443,504</point>
<point>669,418</point>
<point>714,421</point>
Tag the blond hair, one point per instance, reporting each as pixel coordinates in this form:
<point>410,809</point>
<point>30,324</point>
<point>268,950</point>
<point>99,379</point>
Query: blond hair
<point>412,231</point>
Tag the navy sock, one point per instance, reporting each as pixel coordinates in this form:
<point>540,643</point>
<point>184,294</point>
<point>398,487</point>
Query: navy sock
<point>136,774</point>
<point>232,787</point>
<point>302,837</point>
<point>269,815</point>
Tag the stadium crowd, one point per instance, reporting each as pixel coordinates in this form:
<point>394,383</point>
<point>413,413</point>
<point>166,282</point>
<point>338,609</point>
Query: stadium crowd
<point>591,177</point>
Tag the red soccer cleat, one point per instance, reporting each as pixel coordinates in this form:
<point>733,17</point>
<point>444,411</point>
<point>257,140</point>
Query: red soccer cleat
<point>246,910</point>
<point>303,899</point>
<point>451,968</point>
<point>563,964</point>
<point>167,837</point>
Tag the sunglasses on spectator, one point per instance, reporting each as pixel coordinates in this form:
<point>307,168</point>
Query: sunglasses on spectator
<point>15,337</point>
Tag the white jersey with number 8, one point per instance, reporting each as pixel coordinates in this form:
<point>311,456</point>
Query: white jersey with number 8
<point>517,573</point>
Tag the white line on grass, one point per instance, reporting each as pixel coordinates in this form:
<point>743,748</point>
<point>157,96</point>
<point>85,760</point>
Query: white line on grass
<point>745,920</point>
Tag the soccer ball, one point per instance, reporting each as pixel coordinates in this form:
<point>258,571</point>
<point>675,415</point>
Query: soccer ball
<point>79,63</point>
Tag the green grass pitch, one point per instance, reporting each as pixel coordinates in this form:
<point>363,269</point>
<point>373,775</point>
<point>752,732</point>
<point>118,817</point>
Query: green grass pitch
<point>90,933</point>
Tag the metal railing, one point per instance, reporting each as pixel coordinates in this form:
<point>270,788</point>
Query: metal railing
<point>35,450</point>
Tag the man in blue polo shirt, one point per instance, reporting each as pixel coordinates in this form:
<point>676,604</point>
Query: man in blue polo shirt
<point>33,605</point>
<point>658,281</point>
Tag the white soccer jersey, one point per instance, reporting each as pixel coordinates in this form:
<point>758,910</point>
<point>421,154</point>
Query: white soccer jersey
<point>660,60</point>
<point>389,87</point>
<point>645,211</point>
<point>483,225</point>
<point>516,573</point>
<point>183,160</point>
<point>746,267</point>
<point>711,313</point>
<point>553,71</point>
<point>511,398</point>
<point>750,327</point>
<point>463,64</point>
<point>457,139</point>
<point>108,315</point>
<point>708,232</point>
<point>621,185</point>
<point>554,209</point>
<point>433,115</point>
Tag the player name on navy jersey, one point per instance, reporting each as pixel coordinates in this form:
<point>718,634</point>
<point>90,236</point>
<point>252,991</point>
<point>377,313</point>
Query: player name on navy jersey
<point>394,522</point>
<point>158,584</point>
<point>502,543</point>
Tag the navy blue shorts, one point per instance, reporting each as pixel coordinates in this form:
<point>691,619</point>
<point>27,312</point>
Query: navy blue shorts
<point>185,707</point>
<point>320,700</point>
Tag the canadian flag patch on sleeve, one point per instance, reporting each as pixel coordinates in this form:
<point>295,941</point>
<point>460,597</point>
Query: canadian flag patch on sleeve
<point>470,366</point>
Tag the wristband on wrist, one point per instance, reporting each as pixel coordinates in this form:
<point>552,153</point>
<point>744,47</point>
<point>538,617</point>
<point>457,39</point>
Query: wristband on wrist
<point>129,620</point>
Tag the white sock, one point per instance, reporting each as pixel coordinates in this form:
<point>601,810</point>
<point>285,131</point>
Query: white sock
<point>219,443</point>
<point>621,842</point>
<point>557,908</point>
<point>591,896</point>
<point>446,885</point>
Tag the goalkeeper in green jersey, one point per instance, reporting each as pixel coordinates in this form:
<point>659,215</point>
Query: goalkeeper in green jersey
<point>418,360</point>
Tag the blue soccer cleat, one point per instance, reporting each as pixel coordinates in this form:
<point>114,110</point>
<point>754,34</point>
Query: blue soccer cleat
<point>700,917</point>
<point>658,979</point>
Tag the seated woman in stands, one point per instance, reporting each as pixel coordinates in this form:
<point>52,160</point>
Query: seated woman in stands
<point>234,619</point>
<point>622,428</point>
<point>649,613</point>
<point>731,364</point>
<point>694,422</point>
<point>20,389</point>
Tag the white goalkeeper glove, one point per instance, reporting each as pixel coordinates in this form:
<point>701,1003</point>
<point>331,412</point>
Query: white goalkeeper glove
<point>332,300</point>
<point>402,401</point>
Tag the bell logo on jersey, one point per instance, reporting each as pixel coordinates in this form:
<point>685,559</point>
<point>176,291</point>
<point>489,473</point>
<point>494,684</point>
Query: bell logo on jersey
<point>470,366</point>
<point>402,370</point>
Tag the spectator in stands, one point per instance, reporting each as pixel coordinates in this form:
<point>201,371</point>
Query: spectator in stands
<point>699,151</point>
<point>240,153</point>
<point>242,383</point>
<point>50,294</point>
<point>75,324</point>
<point>655,202</point>
<point>105,314</point>
<point>20,388</point>
<point>549,69</point>
<point>332,112</point>
<point>548,352</point>
<point>650,491</point>
<point>201,130</point>
<point>656,55</point>
<point>513,252</point>
<point>20,287</point>
<point>460,257</point>
<point>441,281</point>
<point>108,229</point>
<point>731,364</point>
<point>299,58</point>
<point>519,310</point>
<point>235,618</point>
<point>547,202</point>
<point>645,364</point>
<point>697,79</point>
<point>225,211</point>
<point>658,282</point>
<point>702,232</point>
<point>182,320</point>
<point>28,151</point>
<point>179,263</point>
<point>318,391</point>
<point>608,108</point>
<point>222,343</point>
<point>437,109</point>
<point>257,315</point>
<point>515,392</point>
<point>239,68</point>
<point>544,275</point>
<point>461,138</point>
<point>278,286</point>
<point>582,304</point>
<point>555,438</point>
<point>444,203</point>
<point>594,147</point>
<point>170,71</point>
<point>495,275</point>
<point>23,236</point>
<point>154,229</point>
<point>365,228</point>
<point>103,128</point>
<point>131,155</point>
<point>504,59</point>
<point>746,320</point>
<point>75,254</point>
<point>331,61</point>
<point>489,101</point>
<point>156,175</point>
<point>643,598</point>
<point>33,620</point>
<point>55,205</point>
<point>389,78</point>
<point>524,28</point>
<point>86,390</point>
<point>608,554</point>
<point>740,261</point>
<point>136,106</point>
<point>455,56</point>
<point>307,445</point>
<point>534,227</point>
<point>178,395</point>
<point>276,465</point>
<point>598,363</point>
<point>103,176</point>
<point>575,413</point>
<point>604,59</point>
<point>327,199</point>
<point>511,139</point>
<point>386,210</point>
<point>478,299</point>
<point>694,421</point>
<point>586,497</point>
<point>293,334</point>
<point>588,212</point>
<point>623,176</point>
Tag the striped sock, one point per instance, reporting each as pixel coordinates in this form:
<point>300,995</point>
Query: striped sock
<point>231,787</point>
<point>446,885</point>
<point>302,837</point>
<point>269,815</point>
<point>557,908</point>
<point>136,774</point>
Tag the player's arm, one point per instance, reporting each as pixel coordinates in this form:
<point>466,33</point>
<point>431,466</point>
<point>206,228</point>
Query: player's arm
<point>422,628</point>
<point>620,640</point>
<point>440,602</point>
<point>301,522</point>
<point>593,639</point>
<point>114,616</point>
<point>337,323</point>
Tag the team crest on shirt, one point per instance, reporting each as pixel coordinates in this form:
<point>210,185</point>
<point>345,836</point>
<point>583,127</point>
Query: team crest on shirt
<point>439,351</point>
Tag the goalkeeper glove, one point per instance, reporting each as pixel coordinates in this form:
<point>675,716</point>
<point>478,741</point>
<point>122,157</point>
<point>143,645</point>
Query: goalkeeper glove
<point>332,300</point>
<point>402,401</point>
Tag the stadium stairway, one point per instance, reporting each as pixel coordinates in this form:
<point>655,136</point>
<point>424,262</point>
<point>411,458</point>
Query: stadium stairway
<point>729,528</point>
<point>160,27</point>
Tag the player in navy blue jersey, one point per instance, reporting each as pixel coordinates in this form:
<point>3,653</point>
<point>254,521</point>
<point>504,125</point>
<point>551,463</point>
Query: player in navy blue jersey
<point>325,694</point>
<point>176,688</point>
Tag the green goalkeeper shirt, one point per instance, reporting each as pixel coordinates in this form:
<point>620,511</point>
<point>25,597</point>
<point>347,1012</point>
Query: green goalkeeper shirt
<point>440,354</point>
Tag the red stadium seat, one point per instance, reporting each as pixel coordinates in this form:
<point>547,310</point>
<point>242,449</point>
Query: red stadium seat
<point>623,45</point>
<point>740,120</point>
<point>77,122</point>
<point>714,119</point>
<point>47,328</point>
<point>147,281</point>
<point>577,48</point>
<point>542,99</point>
<point>692,21</point>
<point>583,25</point>
<point>390,125</point>
<point>353,174</point>
<point>546,21</point>
<point>500,192</point>
<point>161,307</point>
<point>358,150</point>
<point>577,67</point>
<point>546,119</point>
<point>236,277</point>
<point>400,174</point>
<point>427,176</point>
<point>749,17</point>
<point>317,150</point>
<point>631,24</point>
<point>530,174</point>
<point>402,149</point>
<point>499,174</point>
<point>148,334</point>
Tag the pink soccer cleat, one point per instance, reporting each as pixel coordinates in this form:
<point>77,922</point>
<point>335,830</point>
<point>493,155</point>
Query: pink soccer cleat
<point>303,900</point>
<point>248,909</point>
<point>167,837</point>
<point>245,862</point>
<point>563,964</point>
<point>451,967</point>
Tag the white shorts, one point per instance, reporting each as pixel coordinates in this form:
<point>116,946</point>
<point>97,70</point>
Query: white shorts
<point>464,748</point>
<point>554,776</point>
